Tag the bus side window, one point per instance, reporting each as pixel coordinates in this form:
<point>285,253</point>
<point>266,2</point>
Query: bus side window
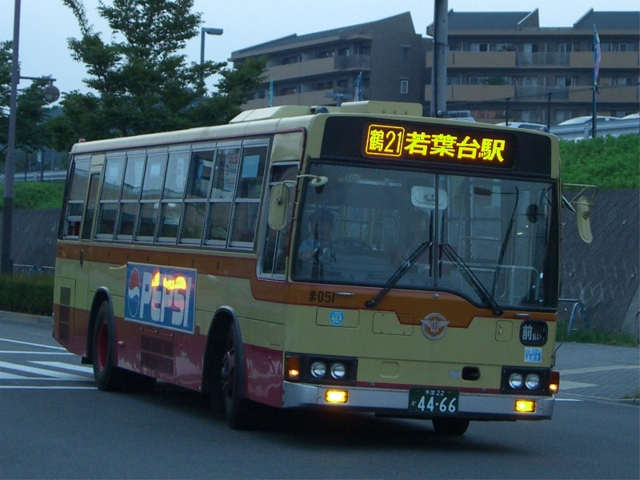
<point>150,198</point>
<point>198,183</point>
<point>174,187</point>
<point>77,193</point>
<point>223,179</point>
<point>109,196</point>
<point>248,193</point>
<point>130,194</point>
<point>87,222</point>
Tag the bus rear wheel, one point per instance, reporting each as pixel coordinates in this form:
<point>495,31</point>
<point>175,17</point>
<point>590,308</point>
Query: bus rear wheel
<point>105,372</point>
<point>450,426</point>
<point>237,410</point>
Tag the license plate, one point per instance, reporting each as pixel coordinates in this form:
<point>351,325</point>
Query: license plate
<point>433,401</point>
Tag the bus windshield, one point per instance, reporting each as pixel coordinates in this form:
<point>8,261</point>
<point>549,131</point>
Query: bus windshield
<point>485,239</point>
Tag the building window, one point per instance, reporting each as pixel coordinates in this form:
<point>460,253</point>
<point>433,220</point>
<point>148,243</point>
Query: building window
<point>405,52</point>
<point>324,85</point>
<point>325,54</point>
<point>566,48</point>
<point>342,83</point>
<point>288,90</point>
<point>562,115</point>
<point>566,81</point>
<point>404,87</point>
<point>364,49</point>
<point>343,52</point>
<point>288,60</point>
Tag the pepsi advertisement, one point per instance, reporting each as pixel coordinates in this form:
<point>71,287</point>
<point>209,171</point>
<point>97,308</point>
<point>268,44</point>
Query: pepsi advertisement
<point>161,296</point>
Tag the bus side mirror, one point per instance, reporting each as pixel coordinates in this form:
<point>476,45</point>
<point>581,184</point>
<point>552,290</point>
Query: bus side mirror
<point>278,206</point>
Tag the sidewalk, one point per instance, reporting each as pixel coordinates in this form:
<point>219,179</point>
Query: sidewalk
<point>598,371</point>
<point>587,370</point>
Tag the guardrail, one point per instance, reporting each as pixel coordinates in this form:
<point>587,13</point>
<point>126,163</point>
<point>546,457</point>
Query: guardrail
<point>47,176</point>
<point>613,128</point>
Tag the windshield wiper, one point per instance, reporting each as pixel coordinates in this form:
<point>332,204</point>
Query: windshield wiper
<point>398,274</point>
<point>471,277</point>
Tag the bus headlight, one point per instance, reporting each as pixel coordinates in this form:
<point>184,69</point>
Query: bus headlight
<point>532,382</point>
<point>338,371</point>
<point>318,369</point>
<point>515,381</point>
<point>529,381</point>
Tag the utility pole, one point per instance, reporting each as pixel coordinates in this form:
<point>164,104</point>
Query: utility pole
<point>439,70</point>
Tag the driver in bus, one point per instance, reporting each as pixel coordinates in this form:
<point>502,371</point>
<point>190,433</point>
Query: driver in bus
<point>316,249</point>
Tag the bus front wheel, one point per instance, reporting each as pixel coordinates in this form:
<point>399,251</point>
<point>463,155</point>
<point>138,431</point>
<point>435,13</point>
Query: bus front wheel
<point>450,426</point>
<point>237,409</point>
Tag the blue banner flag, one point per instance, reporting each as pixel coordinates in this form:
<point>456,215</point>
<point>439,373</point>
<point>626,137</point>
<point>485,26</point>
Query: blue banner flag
<point>270,95</point>
<point>597,57</point>
<point>357,96</point>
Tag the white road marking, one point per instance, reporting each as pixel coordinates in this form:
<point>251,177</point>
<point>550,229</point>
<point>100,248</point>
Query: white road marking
<point>31,352</point>
<point>52,387</point>
<point>31,344</point>
<point>569,385</point>
<point>576,371</point>
<point>42,372</point>
<point>65,366</point>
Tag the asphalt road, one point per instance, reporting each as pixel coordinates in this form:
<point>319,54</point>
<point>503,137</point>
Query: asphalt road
<point>55,424</point>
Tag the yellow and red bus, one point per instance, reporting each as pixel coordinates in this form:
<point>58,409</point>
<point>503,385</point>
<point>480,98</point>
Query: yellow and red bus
<point>358,258</point>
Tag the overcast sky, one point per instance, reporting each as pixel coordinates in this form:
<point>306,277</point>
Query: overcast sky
<point>46,25</point>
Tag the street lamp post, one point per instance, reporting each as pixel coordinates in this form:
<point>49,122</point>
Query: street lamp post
<point>51,94</point>
<point>6,262</point>
<point>209,31</point>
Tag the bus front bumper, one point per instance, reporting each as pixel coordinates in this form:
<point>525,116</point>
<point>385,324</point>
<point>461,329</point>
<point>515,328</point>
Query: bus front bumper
<point>480,406</point>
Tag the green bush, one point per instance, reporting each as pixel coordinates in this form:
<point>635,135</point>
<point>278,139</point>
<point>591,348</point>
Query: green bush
<point>32,294</point>
<point>35,195</point>
<point>607,162</point>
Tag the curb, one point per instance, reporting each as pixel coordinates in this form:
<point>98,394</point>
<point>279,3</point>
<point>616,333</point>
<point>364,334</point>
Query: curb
<point>25,318</point>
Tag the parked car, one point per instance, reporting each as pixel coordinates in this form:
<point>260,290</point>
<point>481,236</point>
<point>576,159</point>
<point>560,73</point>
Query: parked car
<point>588,119</point>
<point>529,126</point>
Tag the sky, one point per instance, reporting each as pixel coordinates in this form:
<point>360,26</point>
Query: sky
<point>45,25</point>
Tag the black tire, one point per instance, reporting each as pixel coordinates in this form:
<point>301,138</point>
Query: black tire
<point>450,426</point>
<point>107,375</point>
<point>238,411</point>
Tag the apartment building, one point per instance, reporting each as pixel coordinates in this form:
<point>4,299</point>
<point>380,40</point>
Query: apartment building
<point>323,68</point>
<point>504,64</point>
<point>499,64</point>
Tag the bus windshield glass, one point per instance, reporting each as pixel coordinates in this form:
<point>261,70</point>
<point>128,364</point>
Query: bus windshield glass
<point>485,239</point>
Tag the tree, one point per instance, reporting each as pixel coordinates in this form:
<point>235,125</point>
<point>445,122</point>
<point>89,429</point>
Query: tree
<point>141,83</point>
<point>32,113</point>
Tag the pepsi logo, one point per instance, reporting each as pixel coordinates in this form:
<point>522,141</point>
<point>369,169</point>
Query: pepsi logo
<point>133,294</point>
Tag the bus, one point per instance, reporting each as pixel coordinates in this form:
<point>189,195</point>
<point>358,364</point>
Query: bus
<point>358,258</point>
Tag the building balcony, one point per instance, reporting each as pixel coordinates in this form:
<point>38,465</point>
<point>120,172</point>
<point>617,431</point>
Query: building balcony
<point>475,93</point>
<point>477,59</point>
<point>315,97</point>
<point>614,94</point>
<point>319,66</point>
<point>622,60</point>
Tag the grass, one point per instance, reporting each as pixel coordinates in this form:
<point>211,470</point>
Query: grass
<point>583,335</point>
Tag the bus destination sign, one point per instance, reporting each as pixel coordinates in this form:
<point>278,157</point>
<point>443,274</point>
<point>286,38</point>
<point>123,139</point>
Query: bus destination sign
<point>440,143</point>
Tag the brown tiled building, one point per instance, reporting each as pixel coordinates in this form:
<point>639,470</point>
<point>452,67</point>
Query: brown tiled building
<point>495,56</point>
<point>321,68</point>
<point>498,63</point>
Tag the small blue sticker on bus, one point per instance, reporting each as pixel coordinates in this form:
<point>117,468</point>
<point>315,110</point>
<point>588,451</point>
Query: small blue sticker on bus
<point>160,296</point>
<point>336,317</point>
<point>533,355</point>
